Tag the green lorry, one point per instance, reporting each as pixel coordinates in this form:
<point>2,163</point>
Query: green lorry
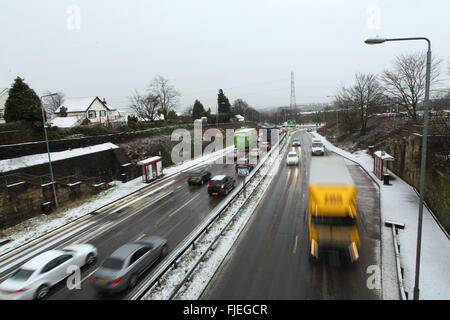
<point>244,138</point>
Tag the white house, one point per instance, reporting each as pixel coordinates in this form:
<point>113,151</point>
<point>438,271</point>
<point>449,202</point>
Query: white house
<point>4,94</point>
<point>91,108</point>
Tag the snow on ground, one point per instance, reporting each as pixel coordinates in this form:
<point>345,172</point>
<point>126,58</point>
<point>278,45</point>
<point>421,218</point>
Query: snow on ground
<point>42,224</point>
<point>42,158</point>
<point>400,203</point>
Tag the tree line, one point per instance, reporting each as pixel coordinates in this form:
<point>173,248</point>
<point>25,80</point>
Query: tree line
<point>403,85</point>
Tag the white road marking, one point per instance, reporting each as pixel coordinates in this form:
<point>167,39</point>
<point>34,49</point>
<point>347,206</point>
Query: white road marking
<point>295,245</point>
<point>184,205</point>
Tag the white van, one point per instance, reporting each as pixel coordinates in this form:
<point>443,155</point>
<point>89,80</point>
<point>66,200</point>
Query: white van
<point>317,148</point>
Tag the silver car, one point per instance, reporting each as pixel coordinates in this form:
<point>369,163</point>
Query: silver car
<point>122,269</point>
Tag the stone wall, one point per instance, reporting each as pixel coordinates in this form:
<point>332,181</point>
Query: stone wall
<point>23,201</point>
<point>407,154</point>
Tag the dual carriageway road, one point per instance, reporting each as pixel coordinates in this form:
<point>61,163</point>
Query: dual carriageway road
<point>270,260</point>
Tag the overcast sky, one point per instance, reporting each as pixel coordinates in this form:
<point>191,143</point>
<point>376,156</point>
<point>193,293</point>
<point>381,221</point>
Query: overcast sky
<point>110,48</point>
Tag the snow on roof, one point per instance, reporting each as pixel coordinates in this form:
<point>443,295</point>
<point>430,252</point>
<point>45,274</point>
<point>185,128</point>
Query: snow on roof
<point>383,155</point>
<point>64,122</point>
<point>4,91</point>
<point>37,159</point>
<point>145,161</point>
<point>76,104</point>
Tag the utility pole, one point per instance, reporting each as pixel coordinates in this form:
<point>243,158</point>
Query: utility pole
<point>293,105</point>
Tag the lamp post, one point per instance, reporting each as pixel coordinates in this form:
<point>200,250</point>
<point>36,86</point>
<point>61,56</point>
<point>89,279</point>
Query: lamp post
<point>424,148</point>
<point>44,122</point>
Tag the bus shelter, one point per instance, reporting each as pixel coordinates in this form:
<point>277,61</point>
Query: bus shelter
<point>151,168</point>
<point>380,160</point>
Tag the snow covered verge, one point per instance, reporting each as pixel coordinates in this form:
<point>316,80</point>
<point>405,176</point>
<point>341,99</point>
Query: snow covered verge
<point>400,203</point>
<point>38,226</point>
<point>229,226</point>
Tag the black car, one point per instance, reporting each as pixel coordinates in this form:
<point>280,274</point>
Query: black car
<point>220,185</point>
<point>199,177</point>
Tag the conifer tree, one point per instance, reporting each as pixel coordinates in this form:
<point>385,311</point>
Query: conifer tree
<point>23,104</point>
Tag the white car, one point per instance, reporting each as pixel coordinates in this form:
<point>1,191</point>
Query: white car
<point>292,159</point>
<point>34,279</point>
<point>296,142</point>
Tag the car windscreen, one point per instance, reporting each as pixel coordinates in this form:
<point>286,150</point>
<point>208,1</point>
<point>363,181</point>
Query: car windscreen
<point>293,155</point>
<point>113,263</point>
<point>317,145</point>
<point>22,275</point>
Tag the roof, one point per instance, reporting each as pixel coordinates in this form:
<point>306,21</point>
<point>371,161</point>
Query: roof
<point>125,250</point>
<point>383,155</point>
<point>79,104</point>
<point>148,160</point>
<point>4,91</point>
<point>219,177</point>
<point>41,259</point>
<point>244,131</point>
<point>329,170</point>
<point>42,158</point>
<point>64,122</point>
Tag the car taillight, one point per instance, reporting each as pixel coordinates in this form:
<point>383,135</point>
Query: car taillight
<point>199,177</point>
<point>18,291</point>
<point>93,277</point>
<point>117,280</point>
<point>222,186</point>
<point>207,185</point>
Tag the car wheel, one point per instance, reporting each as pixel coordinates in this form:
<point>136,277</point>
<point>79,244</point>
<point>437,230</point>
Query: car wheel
<point>164,251</point>
<point>133,281</point>
<point>90,259</point>
<point>42,292</point>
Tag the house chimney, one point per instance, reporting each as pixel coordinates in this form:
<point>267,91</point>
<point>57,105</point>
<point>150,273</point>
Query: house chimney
<point>104,100</point>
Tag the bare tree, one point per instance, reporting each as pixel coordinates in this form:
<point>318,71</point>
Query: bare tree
<point>240,107</point>
<point>405,83</point>
<point>165,93</point>
<point>52,101</point>
<point>365,94</point>
<point>144,106</point>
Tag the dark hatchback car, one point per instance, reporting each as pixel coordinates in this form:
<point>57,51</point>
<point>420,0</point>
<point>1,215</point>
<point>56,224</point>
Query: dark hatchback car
<point>198,177</point>
<point>220,185</point>
<point>122,269</point>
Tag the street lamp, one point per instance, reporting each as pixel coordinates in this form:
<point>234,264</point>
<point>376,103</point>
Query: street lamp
<point>44,122</point>
<point>424,148</point>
